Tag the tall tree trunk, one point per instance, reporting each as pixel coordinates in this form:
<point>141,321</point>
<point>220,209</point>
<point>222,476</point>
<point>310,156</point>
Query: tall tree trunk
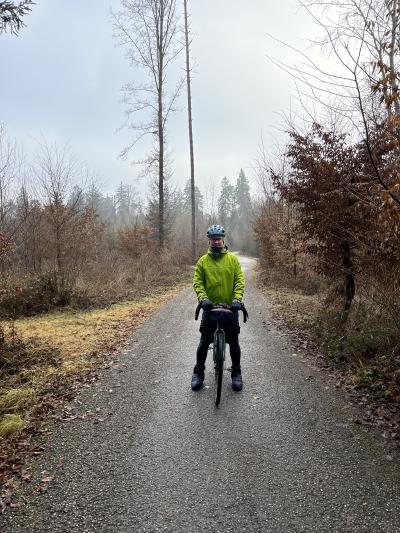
<point>350,287</point>
<point>160,178</point>
<point>393,50</point>
<point>58,246</point>
<point>189,98</point>
<point>160,133</point>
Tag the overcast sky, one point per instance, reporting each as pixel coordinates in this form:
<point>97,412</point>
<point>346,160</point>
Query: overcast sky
<point>61,80</point>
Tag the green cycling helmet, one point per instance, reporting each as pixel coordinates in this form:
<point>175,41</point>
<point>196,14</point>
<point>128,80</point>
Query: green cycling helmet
<point>215,231</point>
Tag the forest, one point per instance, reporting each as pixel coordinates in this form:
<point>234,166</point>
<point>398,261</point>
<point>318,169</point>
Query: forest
<point>83,265</point>
<point>70,245</point>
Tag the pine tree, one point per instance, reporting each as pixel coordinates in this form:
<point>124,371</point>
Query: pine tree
<point>187,199</point>
<point>76,199</point>
<point>108,212</point>
<point>126,205</point>
<point>173,206</point>
<point>226,202</point>
<point>243,195</point>
<point>94,198</point>
<point>241,224</point>
<point>11,15</point>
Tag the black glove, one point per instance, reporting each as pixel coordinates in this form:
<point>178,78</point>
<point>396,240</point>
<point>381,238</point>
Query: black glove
<point>206,303</point>
<point>236,305</point>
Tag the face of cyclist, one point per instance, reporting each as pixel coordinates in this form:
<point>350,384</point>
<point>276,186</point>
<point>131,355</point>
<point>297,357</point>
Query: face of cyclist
<point>216,243</point>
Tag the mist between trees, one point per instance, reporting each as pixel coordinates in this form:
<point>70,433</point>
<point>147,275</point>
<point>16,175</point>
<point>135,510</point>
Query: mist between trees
<point>64,242</point>
<point>329,222</point>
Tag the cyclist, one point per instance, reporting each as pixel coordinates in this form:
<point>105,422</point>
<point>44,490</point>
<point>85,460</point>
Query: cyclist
<point>218,278</point>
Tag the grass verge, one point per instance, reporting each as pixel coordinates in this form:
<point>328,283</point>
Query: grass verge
<point>44,358</point>
<point>58,347</point>
<point>360,352</point>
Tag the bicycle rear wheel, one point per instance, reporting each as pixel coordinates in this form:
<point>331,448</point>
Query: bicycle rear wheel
<point>219,357</point>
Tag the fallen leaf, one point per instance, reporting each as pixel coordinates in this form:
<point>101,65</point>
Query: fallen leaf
<point>26,476</point>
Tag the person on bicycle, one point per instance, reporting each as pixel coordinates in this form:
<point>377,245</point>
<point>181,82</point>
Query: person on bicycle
<point>218,278</point>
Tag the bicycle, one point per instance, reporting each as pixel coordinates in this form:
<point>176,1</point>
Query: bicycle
<point>220,313</point>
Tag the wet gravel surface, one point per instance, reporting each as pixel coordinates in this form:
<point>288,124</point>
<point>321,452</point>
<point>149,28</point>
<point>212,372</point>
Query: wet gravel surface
<point>281,456</point>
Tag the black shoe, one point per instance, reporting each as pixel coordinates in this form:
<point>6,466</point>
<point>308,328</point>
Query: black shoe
<point>237,383</point>
<point>197,381</point>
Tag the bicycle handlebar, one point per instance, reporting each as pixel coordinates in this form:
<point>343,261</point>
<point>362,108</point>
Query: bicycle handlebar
<point>243,309</point>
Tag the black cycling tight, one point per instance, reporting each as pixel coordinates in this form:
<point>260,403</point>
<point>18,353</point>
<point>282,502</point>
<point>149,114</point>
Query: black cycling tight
<point>202,351</point>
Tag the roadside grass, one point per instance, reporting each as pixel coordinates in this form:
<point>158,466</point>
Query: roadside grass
<point>46,354</point>
<point>299,310</point>
<point>363,346</point>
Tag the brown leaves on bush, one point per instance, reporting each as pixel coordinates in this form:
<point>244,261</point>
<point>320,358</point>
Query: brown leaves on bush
<point>136,242</point>
<point>5,244</point>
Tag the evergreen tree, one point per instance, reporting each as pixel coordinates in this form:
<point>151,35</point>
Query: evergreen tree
<point>12,14</point>
<point>173,206</point>
<point>241,226</point>
<point>243,194</point>
<point>76,199</point>
<point>187,199</point>
<point>226,202</point>
<point>94,198</point>
<point>108,211</point>
<point>126,206</point>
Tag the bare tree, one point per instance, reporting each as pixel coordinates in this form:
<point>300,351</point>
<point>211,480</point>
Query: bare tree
<point>148,30</point>
<point>9,169</point>
<point>210,201</point>
<point>189,100</point>
<point>57,172</point>
<point>29,224</point>
<point>264,168</point>
<point>11,15</point>
<point>361,84</point>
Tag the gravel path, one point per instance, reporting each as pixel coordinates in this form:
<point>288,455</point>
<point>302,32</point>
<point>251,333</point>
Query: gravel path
<point>281,456</point>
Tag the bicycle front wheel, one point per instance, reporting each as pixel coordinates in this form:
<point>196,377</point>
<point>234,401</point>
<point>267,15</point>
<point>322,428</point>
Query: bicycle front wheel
<point>219,357</point>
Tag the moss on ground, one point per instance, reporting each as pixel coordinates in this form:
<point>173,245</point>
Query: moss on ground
<point>17,399</point>
<point>10,425</point>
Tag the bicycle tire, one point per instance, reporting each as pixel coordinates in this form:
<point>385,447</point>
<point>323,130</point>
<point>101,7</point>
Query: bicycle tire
<point>219,357</point>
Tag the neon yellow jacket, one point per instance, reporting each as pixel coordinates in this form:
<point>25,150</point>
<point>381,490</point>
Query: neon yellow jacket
<point>219,277</point>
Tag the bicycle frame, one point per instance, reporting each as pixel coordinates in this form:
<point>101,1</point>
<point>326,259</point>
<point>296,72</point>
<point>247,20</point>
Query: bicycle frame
<point>219,359</point>
<point>219,342</point>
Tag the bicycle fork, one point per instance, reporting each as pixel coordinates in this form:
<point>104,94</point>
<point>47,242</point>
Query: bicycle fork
<point>219,345</point>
